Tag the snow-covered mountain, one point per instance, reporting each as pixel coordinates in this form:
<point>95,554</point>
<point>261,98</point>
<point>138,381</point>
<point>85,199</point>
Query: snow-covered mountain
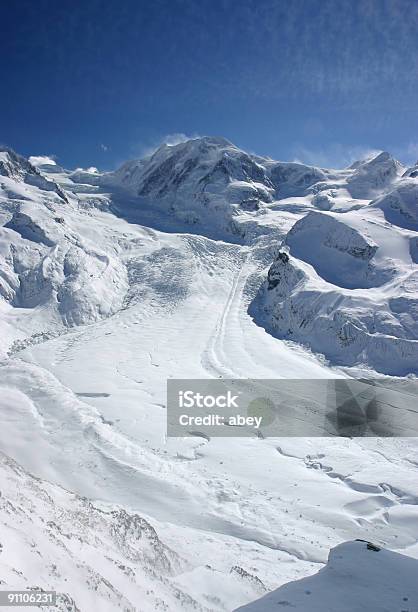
<point>197,261</point>
<point>347,286</point>
<point>46,262</point>
<point>211,184</point>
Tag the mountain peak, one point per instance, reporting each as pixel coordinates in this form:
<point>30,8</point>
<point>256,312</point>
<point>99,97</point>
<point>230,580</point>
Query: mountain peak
<point>201,143</point>
<point>217,141</point>
<point>382,158</point>
<point>14,165</point>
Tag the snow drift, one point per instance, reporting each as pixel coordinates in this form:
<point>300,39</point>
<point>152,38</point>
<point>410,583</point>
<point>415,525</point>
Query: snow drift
<point>358,576</point>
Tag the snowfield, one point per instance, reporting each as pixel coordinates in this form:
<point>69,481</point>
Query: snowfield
<point>199,261</point>
<point>353,579</point>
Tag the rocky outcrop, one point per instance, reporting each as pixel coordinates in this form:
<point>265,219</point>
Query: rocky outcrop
<point>18,168</point>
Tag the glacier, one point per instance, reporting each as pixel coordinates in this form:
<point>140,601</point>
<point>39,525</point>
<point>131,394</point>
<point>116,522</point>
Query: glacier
<point>198,261</point>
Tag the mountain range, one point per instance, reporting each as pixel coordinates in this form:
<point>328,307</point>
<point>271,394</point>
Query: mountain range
<point>198,261</point>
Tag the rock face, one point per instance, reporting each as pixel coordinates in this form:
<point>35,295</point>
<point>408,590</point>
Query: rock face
<point>206,181</point>
<point>411,172</point>
<point>16,167</point>
<point>282,277</point>
<point>358,576</point>
<point>413,249</point>
<point>202,165</point>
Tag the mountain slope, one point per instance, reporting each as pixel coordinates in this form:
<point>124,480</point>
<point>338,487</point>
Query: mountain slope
<point>358,576</point>
<point>346,284</point>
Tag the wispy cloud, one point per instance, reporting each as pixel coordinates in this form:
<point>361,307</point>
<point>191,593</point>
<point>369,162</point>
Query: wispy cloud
<point>143,149</point>
<point>350,55</point>
<point>39,160</point>
<point>174,139</point>
<point>408,153</point>
<point>335,155</point>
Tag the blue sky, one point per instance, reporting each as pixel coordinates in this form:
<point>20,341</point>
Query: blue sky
<point>98,82</point>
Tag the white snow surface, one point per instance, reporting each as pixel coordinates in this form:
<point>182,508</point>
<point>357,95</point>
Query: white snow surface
<point>346,285</point>
<point>353,579</point>
<point>111,283</point>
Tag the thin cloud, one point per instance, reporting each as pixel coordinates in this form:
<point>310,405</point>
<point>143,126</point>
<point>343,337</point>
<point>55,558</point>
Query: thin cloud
<point>408,153</point>
<point>335,155</point>
<point>144,150</point>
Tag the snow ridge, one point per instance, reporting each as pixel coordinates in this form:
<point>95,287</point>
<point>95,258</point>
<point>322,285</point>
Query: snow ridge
<point>358,576</point>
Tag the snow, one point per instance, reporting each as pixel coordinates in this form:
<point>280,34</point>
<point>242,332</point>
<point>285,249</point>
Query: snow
<point>400,205</point>
<point>111,284</point>
<point>357,577</point>
<point>341,254</point>
<point>347,290</point>
<point>374,175</point>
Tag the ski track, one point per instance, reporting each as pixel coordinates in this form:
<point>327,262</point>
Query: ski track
<point>213,357</point>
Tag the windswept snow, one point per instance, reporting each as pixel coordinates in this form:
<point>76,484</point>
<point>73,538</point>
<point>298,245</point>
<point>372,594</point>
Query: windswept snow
<point>341,254</point>
<point>198,261</point>
<point>358,576</point>
<point>373,175</point>
<point>400,206</point>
